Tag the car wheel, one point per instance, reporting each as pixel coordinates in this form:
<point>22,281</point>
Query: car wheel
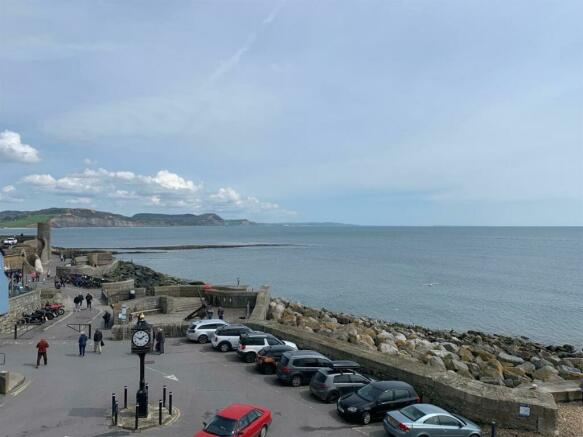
<point>365,418</point>
<point>268,370</point>
<point>250,357</point>
<point>203,339</point>
<point>296,381</point>
<point>333,397</point>
<point>224,347</point>
<point>263,432</point>
<point>61,311</point>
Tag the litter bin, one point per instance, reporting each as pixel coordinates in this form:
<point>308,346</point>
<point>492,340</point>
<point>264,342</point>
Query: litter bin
<point>132,294</point>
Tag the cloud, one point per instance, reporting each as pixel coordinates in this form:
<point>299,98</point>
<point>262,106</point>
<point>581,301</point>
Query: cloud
<point>13,150</point>
<point>8,189</point>
<point>163,189</point>
<point>88,161</point>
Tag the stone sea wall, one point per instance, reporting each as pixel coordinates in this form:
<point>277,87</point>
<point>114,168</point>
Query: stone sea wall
<point>488,358</point>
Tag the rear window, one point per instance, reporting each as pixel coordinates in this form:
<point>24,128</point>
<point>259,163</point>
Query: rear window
<point>320,377</point>
<point>252,341</point>
<point>411,412</point>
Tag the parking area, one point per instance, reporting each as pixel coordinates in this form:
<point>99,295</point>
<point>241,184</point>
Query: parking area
<point>70,397</point>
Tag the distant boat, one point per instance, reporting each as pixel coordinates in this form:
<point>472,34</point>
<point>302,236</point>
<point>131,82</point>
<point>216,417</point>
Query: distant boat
<point>431,284</point>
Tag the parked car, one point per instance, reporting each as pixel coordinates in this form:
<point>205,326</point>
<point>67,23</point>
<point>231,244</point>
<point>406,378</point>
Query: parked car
<point>268,357</point>
<point>201,330</point>
<point>426,420</point>
<point>252,342</point>
<point>330,384</point>
<point>227,338</point>
<point>372,401</point>
<point>298,367</point>
<point>238,420</point>
<point>10,241</point>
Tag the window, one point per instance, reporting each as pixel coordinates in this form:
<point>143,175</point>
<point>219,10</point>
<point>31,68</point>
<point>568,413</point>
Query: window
<point>448,421</point>
<point>254,415</point>
<point>357,379</point>
<point>341,379</point>
<point>386,396</point>
<point>323,362</point>
<point>210,326</point>
<point>401,395</point>
<point>272,341</point>
<point>221,426</point>
<point>432,421</point>
<point>243,422</point>
<point>311,362</point>
<point>226,333</point>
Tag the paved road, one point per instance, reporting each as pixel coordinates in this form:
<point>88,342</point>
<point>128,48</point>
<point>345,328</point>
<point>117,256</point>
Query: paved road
<point>71,396</point>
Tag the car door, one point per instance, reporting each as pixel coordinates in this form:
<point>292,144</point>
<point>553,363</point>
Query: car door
<point>342,383</point>
<point>402,398</point>
<point>431,426</point>
<point>309,367</point>
<point>254,426</point>
<point>384,403</point>
<point>451,427</point>
<point>243,428</point>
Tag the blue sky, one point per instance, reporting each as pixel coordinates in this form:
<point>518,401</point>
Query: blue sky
<point>368,112</point>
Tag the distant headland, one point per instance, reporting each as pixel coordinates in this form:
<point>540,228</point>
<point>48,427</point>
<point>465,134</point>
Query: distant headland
<point>79,217</point>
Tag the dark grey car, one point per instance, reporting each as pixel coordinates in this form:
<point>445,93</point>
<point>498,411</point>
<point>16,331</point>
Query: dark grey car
<point>330,384</point>
<point>426,420</point>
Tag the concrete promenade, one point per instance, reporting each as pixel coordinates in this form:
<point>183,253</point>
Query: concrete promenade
<point>72,395</point>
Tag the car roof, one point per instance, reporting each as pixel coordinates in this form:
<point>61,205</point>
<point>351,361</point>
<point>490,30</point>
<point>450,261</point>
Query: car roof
<point>206,321</point>
<point>430,409</point>
<point>235,411</point>
<point>235,325</point>
<point>386,385</point>
<point>304,353</point>
<point>345,363</point>
<point>277,347</point>
<point>257,334</point>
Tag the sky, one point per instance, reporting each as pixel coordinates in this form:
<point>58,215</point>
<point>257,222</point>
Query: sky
<point>379,112</point>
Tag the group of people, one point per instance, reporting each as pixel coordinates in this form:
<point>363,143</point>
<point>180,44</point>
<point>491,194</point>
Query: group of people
<point>78,300</point>
<point>97,342</point>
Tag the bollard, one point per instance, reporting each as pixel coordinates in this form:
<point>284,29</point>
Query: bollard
<point>164,397</point>
<point>15,332</point>
<point>170,403</point>
<point>125,396</point>
<point>137,411</point>
<point>112,404</point>
<point>116,411</point>
<point>160,412</point>
<point>493,434</point>
<point>147,388</point>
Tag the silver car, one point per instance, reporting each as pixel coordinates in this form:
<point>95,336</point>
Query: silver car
<point>426,420</point>
<point>202,330</point>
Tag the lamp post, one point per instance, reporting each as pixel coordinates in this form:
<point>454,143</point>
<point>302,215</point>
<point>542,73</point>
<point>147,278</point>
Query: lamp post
<point>141,345</point>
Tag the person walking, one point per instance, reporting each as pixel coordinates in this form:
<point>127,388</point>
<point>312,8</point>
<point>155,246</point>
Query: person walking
<point>221,312</point>
<point>106,319</point>
<point>97,341</point>
<point>76,301</point>
<point>41,347</point>
<point>82,344</point>
<point>160,339</point>
<point>89,299</point>
<point>80,299</point>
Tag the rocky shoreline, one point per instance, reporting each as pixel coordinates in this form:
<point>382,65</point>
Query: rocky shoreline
<point>489,358</point>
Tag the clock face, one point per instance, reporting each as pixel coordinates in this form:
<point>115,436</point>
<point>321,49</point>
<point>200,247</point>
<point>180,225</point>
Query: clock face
<point>141,338</point>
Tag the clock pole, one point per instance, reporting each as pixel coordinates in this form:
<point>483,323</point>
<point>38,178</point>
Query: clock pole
<point>142,344</point>
<point>142,394</point>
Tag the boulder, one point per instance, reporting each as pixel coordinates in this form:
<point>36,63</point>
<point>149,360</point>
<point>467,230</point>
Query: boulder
<point>512,359</point>
<point>368,341</point>
<point>466,354</point>
<point>526,367</point>
<point>546,373</point>
<point>450,347</point>
<point>400,337</point>
<point>388,348</point>
<point>384,336</point>
<point>571,373</point>
<point>436,363</point>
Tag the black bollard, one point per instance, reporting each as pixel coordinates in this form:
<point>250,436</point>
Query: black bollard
<point>493,434</point>
<point>164,397</point>
<point>160,412</point>
<point>125,396</point>
<point>112,404</point>
<point>15,332</point>
<point>147,388</point>
<point>170,403</point>
<point>116,411</point>
<point>137,411</point>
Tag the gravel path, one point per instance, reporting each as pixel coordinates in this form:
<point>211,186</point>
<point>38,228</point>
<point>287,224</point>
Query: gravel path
<point>570,424</point>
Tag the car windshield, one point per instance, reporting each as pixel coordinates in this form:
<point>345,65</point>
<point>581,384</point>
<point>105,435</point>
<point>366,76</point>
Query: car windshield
<point>221,426</point>
<point>369,392</point>
<point>461,419</point>
<point>412,413</point>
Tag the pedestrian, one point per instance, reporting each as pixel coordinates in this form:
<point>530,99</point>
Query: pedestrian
<point>238,282</point>
<point>80,298</point>
<point>82,344</point>
<point>221,312</point>
<point>41,347</point>
<point>160,339</point>
<point>97,341</point>
<point>89,299</point>
<point>76,301</point>
<point>106,319</point>
<point>209,312</point>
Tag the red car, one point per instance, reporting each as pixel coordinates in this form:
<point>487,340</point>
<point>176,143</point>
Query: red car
<point>238,420</point>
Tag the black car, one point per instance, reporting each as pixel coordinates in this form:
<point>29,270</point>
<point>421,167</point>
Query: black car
<point>268,357</point>
<point>374,400</point>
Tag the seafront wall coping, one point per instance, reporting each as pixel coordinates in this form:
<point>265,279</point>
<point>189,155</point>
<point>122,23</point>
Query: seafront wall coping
<point>473,399</point>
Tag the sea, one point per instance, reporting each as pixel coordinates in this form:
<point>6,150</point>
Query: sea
<point>520,281</point>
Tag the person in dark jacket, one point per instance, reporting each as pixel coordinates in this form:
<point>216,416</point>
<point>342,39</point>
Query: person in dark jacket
<point>97,341</point>
<point>82,344</point>
<point>41,347</point>
<point>89,299</point>
<point>160,339</point>
<point>106,319</point>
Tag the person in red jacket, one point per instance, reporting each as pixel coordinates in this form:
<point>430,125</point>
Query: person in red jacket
<point>42,347</point>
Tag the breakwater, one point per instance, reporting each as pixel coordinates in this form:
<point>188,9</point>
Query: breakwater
<point>489,358</point>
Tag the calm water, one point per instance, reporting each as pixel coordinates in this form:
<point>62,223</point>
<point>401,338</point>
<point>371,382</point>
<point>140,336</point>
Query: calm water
<point>521,281</point>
